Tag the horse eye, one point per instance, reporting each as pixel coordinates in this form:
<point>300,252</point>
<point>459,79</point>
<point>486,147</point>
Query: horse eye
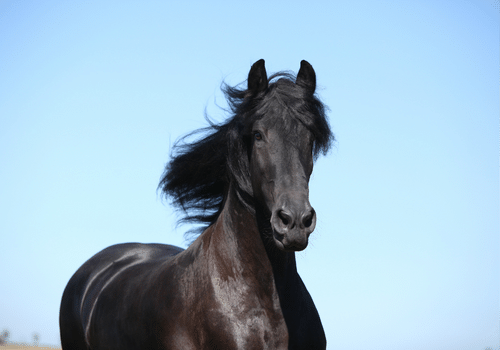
<point>257,136</point>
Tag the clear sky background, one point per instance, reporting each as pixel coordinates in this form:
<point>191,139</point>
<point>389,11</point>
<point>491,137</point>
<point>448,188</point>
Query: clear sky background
<point>406,250</point>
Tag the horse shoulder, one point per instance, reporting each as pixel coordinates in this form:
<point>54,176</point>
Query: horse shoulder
<point>119,294</point>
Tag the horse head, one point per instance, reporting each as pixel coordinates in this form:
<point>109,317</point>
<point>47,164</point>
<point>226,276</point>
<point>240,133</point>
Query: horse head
<point>283,142</point>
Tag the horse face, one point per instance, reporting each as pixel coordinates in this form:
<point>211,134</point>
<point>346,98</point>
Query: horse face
<point>281,160</point>
<point>281,163</point>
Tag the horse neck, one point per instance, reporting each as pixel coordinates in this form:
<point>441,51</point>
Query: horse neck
<point>240,231</point>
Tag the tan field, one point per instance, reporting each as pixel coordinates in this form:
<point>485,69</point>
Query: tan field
<point>27,347</point>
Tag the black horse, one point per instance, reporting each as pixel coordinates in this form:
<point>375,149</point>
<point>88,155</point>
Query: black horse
<point>236,286</point>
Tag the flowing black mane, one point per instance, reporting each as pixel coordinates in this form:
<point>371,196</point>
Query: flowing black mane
<point>198,175</point>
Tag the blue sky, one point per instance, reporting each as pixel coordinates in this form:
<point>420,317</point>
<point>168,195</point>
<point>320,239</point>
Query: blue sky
<point>406,250</point>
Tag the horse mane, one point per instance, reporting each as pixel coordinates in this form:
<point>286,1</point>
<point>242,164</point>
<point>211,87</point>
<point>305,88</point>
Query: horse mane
<point>197,177</point>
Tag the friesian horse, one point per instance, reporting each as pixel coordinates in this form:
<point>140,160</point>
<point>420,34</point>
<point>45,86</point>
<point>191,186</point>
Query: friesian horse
<point>236,286</point>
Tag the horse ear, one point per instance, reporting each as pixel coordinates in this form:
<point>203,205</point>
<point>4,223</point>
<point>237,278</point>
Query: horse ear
<point>306,77</point>
<point>257,78</point>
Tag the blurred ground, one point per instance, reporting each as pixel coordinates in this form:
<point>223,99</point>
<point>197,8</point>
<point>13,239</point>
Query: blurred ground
<point>30,347</point>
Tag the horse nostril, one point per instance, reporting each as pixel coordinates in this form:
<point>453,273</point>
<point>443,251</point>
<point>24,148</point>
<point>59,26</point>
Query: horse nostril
<point>307,219</point>
<point>284,217</point>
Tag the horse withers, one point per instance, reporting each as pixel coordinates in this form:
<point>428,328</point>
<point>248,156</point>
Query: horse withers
<point>236,286</point>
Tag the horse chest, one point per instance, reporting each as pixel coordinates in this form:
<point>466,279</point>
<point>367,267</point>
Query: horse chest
<point>241,318</point>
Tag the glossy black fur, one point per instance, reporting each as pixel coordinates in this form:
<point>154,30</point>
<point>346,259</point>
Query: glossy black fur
<point>236,286</point>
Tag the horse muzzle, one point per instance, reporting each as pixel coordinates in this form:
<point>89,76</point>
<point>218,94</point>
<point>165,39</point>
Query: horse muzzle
<point>292,223</point>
